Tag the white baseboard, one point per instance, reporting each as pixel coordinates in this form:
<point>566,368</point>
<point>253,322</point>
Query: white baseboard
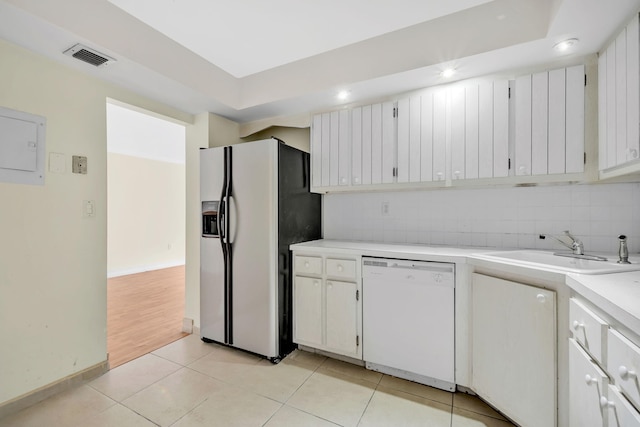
<point>187,325</point>
<point>143,268</point>
<point>38,395</point>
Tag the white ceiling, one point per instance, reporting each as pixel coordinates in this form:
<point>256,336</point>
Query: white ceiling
<point>249,62</point>
<point>249,36</point>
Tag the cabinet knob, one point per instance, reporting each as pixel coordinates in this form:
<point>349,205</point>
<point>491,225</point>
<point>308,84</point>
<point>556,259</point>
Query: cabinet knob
<point>329,285</point>
<point>340,268</point>
<point>522,169</point>
<point>625,373</point>
<point>306,264</point>
<point>343,180</point>
<point>633,153</point>
<point>541,298</point>
<point>457,174</point>
<point>316,283</point>
<point>577,325</point>
<point>605,403</point>
<point>439,175</point>
<point>590,380</point>
<point>356,179</point>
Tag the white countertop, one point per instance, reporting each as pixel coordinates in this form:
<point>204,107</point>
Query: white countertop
<point>389,250</point>
<point>617,294</point>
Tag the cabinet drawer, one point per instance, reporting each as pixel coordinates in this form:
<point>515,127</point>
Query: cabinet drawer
<point>624,365</point>
<point>588,329</point>
<point>620,412</point>
<point>308,265</point>
<point>343,268</point>
<point>587,384</point>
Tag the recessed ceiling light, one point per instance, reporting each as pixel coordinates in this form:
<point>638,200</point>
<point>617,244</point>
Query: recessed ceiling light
<point>448,73</point>
<point>565,45</point>
<point>343,95</point>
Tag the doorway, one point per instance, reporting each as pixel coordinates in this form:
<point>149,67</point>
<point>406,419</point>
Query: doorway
<point>145,232</point>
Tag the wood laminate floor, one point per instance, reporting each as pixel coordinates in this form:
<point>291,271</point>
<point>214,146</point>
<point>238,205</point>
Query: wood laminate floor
<point>144,313</point>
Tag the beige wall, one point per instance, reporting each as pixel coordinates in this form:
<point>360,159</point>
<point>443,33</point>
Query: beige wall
<point>146,212</point>
<point>53,261</point>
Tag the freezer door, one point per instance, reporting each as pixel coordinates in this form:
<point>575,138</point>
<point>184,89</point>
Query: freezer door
<point>253,217</point>
<point>212,313</point>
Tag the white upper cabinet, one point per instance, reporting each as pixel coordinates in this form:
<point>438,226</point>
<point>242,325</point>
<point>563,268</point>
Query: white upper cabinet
<point>619,103</point>
<point>452,135</point>
<point>549,122</point>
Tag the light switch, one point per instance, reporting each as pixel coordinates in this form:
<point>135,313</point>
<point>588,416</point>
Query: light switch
<point>88,208</point>
<point>79,165</point>
<point>57,163</point>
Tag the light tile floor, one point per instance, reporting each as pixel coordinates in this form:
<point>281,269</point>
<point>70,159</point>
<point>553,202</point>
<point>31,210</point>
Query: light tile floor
<point>190,383</point>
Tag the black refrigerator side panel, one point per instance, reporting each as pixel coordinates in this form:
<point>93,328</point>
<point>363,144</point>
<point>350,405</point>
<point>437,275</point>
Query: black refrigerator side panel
<point>299,220</point>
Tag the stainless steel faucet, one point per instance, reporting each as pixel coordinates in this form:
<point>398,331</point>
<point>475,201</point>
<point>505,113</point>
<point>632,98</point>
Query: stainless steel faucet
<point>576,246</point>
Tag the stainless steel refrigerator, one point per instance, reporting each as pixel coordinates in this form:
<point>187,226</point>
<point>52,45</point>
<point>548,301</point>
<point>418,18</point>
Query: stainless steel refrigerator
<point>255,202</point>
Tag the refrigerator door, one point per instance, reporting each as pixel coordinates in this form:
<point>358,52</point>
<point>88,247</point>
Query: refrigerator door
<point>253,217</point>
<point>212,314</point>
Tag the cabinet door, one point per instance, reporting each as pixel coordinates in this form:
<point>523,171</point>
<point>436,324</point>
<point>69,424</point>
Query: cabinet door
<point>539,123</point>
<point>389,148</point>
<point>500,128</point>
<point>341,317</point>
<point>356,146</point>
<point>376,144</point>
<point>316,151</point>
<point>587,383</point>
<point>611,106</point>
<point>485,130</point>
<point>514,349</point>
<point>603,94</point>
<point>575,119</point>
<point>367,147</point>
<point>426,137</point>
<point>308,319</point>
<point>471,127</point>
<point>334,149</point>
<point>344,148</point>
<point>404,128</point>
<point>621,97</point>
<point>440,135</point>
<point>557,131</point>
<point>457,123</point>
<point>325,138</point>
<point>523,125</point>
<point>633,90</point>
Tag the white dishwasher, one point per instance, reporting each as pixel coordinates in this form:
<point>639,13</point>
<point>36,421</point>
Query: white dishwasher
<point>408,319</point>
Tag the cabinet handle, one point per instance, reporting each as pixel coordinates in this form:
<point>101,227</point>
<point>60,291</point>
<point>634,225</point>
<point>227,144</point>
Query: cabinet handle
<point>633,153</point>
<point>329,285</point>
<point>577,325</point>
<point>457,174</point>
<point>340,268</point>
<point>439,175</point>
<point>541,298</point>
<point>590,380</point>
<point>605,403</point>
<point>625,373</point>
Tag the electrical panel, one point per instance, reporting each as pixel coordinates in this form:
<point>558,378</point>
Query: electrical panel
<point>22,147</point>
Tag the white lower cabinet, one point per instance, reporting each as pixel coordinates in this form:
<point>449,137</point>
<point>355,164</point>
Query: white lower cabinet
<point>607,374</point>
<point>514,349</point>
<point>587,385</point>
<point>327,308</point>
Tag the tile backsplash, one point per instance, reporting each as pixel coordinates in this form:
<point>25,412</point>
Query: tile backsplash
<point>490,217</point>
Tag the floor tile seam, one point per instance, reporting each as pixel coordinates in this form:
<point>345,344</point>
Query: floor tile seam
<point>348,376</point>
<point>416,395</point>
<point>188,412</point>
<point>142,415</point>
<point>366,406</point>
<point>501,418</point>
<point>312,414</point>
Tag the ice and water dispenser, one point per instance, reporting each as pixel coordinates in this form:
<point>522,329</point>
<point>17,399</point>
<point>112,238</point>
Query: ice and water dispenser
<point>210,219</point>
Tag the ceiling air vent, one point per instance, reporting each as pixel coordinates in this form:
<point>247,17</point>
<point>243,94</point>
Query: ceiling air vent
<point>88,55</point>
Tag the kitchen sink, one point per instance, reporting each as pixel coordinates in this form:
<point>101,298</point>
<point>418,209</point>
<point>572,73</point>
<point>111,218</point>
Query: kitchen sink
<point>563,261</point>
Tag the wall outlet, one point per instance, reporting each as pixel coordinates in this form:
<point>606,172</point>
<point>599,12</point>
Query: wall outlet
<point>385,209</point>
<point>88,208</point>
